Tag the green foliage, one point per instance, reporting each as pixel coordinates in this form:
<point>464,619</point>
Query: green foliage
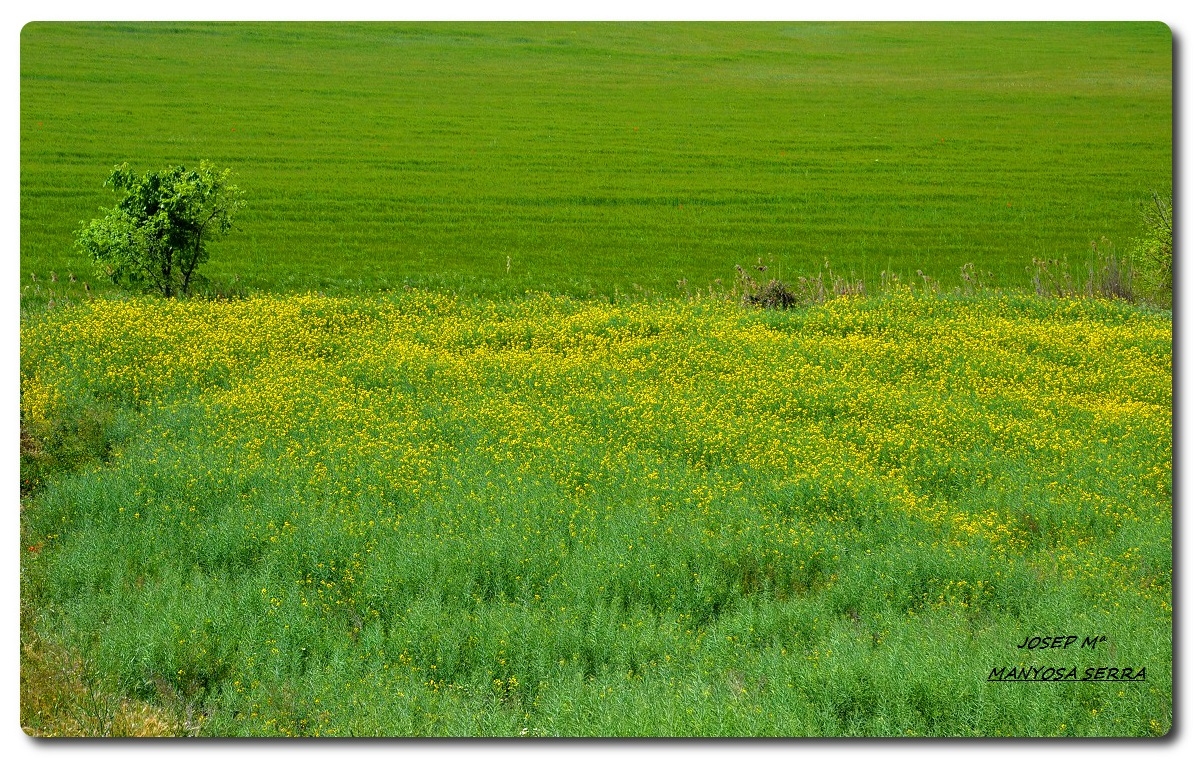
<point>548,517</point>
<point>156,236</point>
<point>411,514</point>
<point>68,441</point>
<point>1154,250</point>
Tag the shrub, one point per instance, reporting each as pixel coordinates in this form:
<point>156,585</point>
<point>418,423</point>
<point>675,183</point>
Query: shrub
<point>772,295</point>
<point>156,235</point>
<point>1154,250</point>
<point>776,294</point>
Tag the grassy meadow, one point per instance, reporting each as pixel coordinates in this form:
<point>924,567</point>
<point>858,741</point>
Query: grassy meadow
<point>445,448</point>
<point>577,158</point>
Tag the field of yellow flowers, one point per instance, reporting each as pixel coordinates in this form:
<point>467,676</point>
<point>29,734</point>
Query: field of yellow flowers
<point>421,515</point>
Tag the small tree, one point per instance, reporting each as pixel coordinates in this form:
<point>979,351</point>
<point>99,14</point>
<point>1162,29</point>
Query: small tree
<point>156,235</point>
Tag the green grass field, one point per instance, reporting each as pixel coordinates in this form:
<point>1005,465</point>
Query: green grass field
<point>599,155</point>
<point>465,461</point>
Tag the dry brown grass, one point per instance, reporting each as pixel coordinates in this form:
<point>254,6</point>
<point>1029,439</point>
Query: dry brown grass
<point>58,699</point>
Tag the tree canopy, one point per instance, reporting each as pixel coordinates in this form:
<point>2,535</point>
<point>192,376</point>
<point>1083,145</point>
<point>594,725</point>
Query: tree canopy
<point>156,236</point>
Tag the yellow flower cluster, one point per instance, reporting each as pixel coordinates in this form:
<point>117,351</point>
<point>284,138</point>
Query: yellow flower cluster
<point>967,415</point>
<point>39,402</point>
